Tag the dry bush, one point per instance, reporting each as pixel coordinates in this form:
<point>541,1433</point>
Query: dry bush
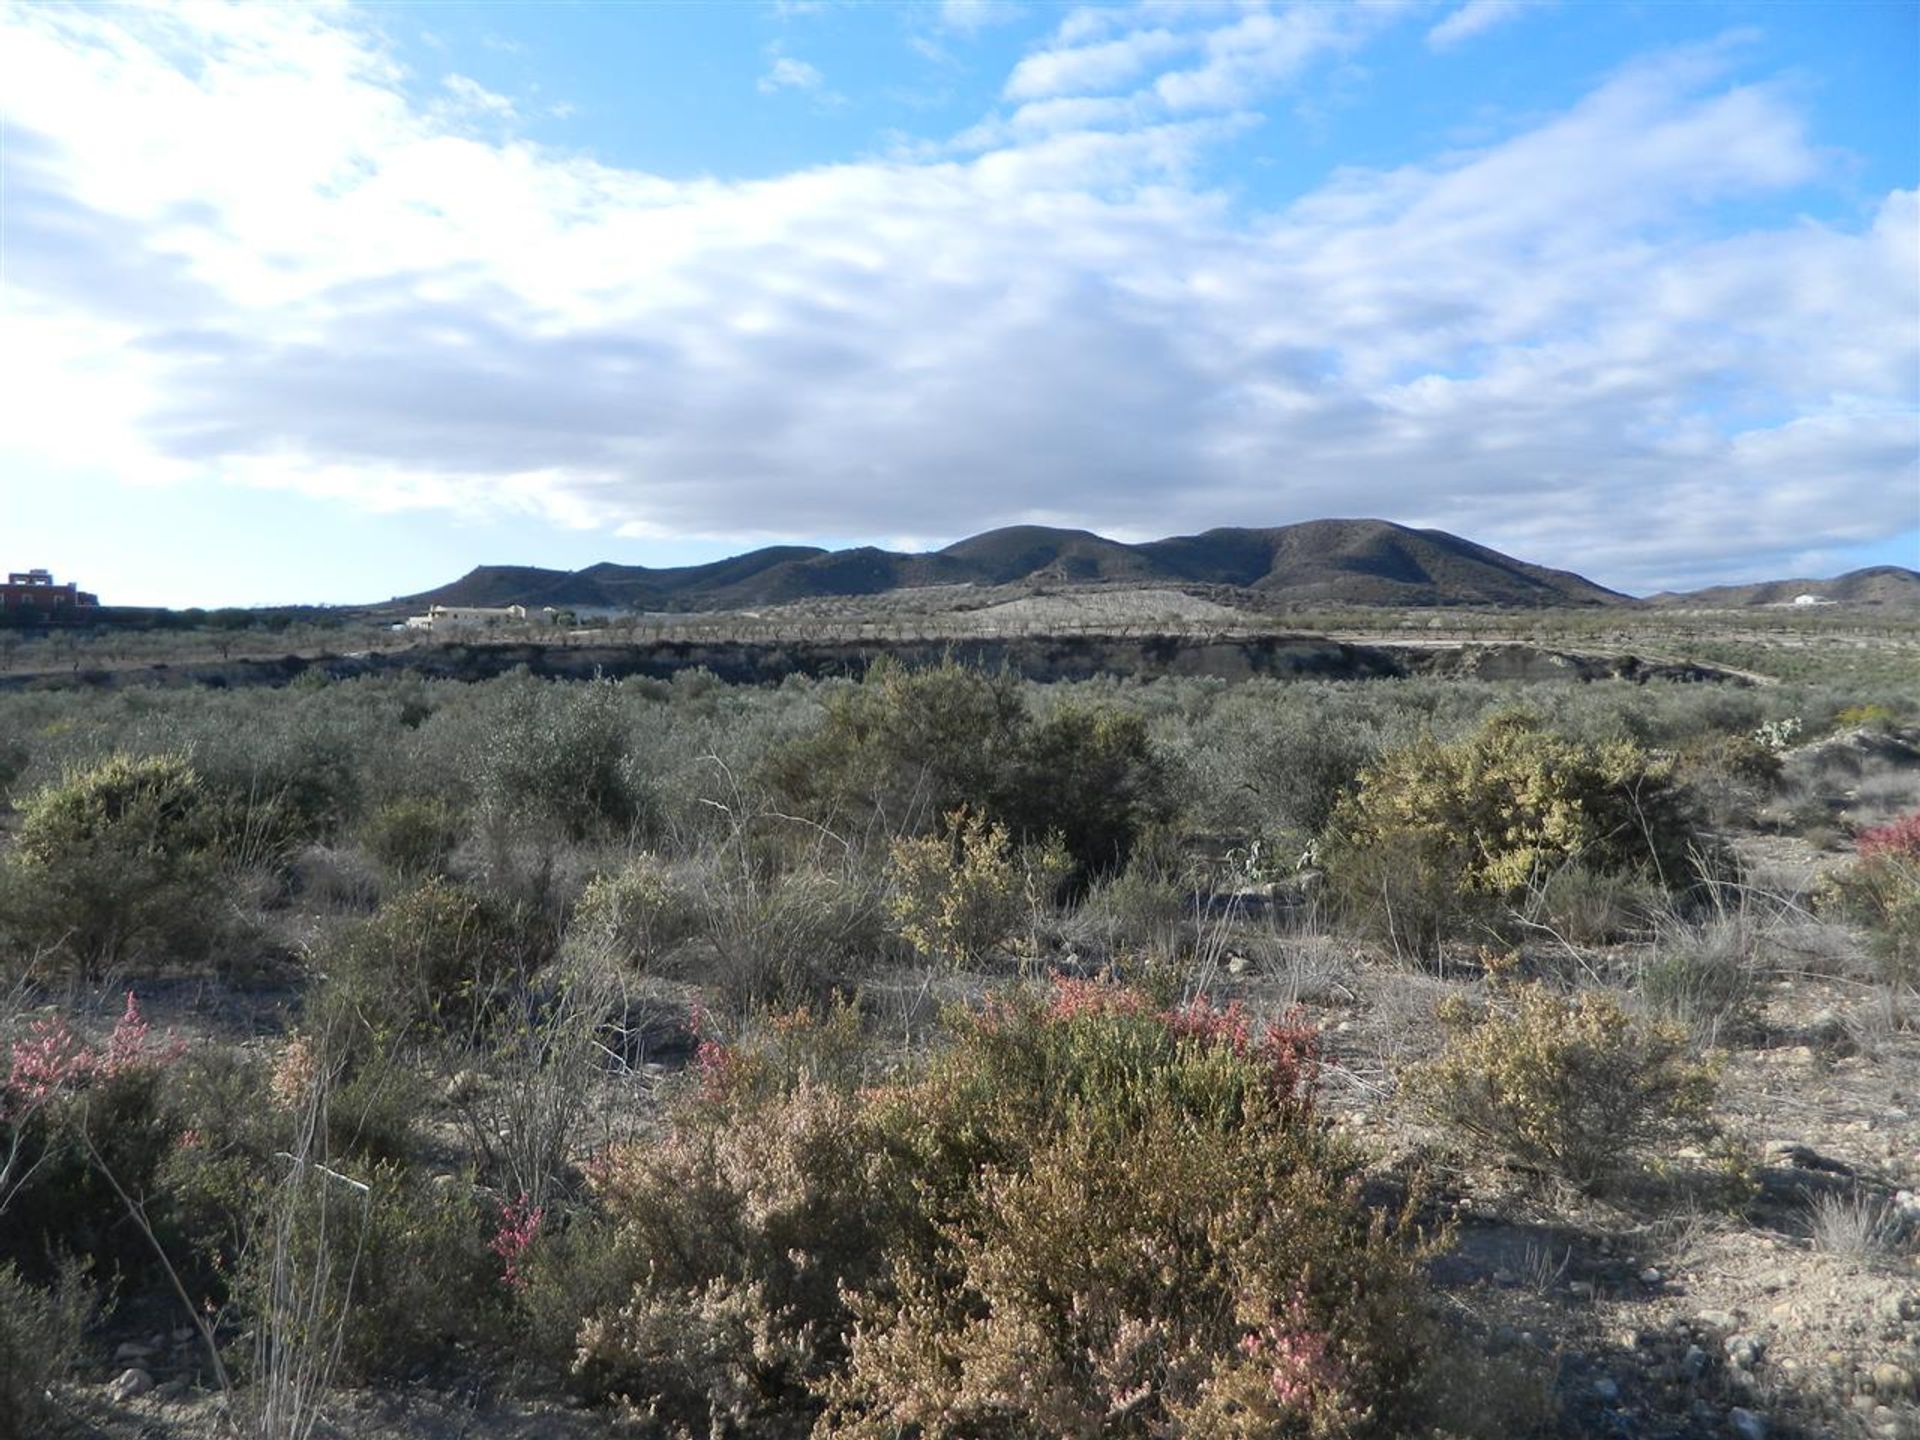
<point>959,895</point>
<point>1705,977</point>
<point>1085,1216</point>
<point>1575,1088</point>
<point>633,916</point>
<point>533,1091</point>
<point>1584,906</point>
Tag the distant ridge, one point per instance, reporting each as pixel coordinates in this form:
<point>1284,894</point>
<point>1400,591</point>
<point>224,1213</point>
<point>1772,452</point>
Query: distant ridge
<point>1340,562</point>
<point>1888,586</point>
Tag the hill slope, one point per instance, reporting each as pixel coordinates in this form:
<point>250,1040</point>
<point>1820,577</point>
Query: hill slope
<point>1891,586</point>
<point>1350,562</point>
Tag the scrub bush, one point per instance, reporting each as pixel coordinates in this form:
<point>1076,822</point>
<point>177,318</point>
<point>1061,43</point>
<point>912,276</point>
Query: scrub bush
<point>958,895</point>
<point>412,837</point>
<point>1087,1215</point>
<point>1440,836</point>
<point>40,1338</point>
<point>1881,891</point>
<point>1568,1087</point>
<point>115,862</point>
<point>634,915</point>
<point>437,957</point>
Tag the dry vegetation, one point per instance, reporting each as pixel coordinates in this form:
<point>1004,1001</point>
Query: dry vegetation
<point>943,1055</point>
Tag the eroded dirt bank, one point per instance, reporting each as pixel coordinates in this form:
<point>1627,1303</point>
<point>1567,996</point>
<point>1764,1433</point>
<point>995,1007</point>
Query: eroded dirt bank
<point>1077,657</point>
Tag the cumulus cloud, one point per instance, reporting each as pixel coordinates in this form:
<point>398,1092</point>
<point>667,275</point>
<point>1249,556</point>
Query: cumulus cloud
<point>1540,343</point>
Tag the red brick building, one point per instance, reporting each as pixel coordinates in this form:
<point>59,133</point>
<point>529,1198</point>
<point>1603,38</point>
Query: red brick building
<point>35,590</point>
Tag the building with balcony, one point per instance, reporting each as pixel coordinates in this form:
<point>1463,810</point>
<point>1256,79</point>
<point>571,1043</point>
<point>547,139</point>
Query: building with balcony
<point>35,591</point>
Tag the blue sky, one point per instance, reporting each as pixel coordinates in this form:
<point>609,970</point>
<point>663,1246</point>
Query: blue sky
<point>333,303</point>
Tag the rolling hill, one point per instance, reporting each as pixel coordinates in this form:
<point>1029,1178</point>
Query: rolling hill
<point>1888,586</point>
<point>1341,562</point>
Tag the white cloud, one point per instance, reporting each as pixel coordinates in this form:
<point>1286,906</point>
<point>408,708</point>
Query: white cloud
<point>1542,343</point>
<point>1267,48</point>
<point>968,16</point>
<point>1476,17</point>
<point>787,73</point>
<point>1103,66</point>
<point>473,97</point>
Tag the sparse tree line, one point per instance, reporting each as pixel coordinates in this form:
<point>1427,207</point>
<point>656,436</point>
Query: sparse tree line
<point>853,1059</point>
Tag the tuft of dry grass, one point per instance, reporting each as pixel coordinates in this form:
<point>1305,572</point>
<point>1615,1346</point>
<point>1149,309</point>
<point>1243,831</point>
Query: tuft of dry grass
<point>1858,1226</point>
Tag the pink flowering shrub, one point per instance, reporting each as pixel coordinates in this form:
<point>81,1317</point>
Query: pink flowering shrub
<point>1087,1215</point>
<point>69,1108</point>
<point>52,1060</point>
<point>519,1228</point>
<point>1898,839</point>
<point>1882,892</point>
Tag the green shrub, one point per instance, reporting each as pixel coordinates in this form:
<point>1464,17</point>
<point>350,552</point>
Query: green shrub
<point>435,957</point>
<point>903,748</point>
<point>956,896</point>
<point>115,862</point>
<point>1866,717</point>
<point>560,756</point>
<point>40,1337</point>
<point>634,915</point>
<point>398,1274</point>
<point>80,1123</point>
<point>412,837</point>
<point>1574,1088</point>
<point>906,747</point>
<point>1090,776</point>
<point>1438,837</point>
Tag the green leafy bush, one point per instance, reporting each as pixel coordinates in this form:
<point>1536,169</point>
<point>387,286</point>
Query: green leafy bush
<point>560,756</point>
<point>412,837</point>
<point>909,746</point>
<point>114,862</point>
<point>435,957</point>
<point>634,915</point>
<point>903,748</point>
<point>1090,775</point>
<point>81,1125</point>
<point>1441,836</point>
<point>1570,1087</point>
<point>40,1337</point>
<point>412,1274</point>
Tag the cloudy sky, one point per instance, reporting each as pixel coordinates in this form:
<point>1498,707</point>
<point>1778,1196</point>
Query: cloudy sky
<point>332,303</point>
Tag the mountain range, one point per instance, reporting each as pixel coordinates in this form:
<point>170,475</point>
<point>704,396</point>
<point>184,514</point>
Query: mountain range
<point>1355,562</point>
<point>1319,562</point>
